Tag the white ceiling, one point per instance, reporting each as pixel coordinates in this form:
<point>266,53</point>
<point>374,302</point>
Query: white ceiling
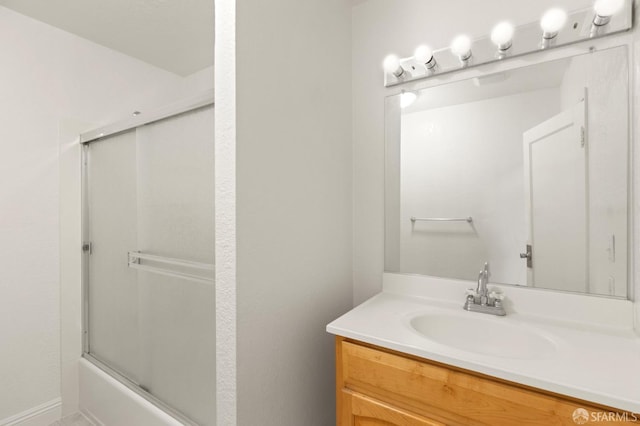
<point>176,35</point>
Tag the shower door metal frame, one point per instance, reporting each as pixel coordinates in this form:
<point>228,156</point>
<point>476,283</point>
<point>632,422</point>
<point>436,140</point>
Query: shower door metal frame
<point>141,118</point>
<point>204,100</point>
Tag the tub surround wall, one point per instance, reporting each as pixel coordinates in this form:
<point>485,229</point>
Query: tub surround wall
<point>54,85</point>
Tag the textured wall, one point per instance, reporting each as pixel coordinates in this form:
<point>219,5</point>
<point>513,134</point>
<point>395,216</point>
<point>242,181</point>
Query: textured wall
<point>293,205</point>
<point>225,201</point>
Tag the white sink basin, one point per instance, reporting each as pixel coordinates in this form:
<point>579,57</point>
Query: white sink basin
<point>488,336</point>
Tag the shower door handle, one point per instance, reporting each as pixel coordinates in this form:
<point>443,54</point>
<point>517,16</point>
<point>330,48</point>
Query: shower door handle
<point>136,257</point>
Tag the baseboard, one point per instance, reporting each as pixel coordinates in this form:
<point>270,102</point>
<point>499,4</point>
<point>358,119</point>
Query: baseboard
<point>40,415</point>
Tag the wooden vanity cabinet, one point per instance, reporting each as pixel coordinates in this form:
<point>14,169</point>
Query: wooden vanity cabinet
<point>381,387</point>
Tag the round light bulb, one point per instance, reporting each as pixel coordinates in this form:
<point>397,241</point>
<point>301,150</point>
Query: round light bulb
<point>461,47</point>
<point>608,7</point>
<point>424,55</point>
<point>392,65</point>
<point>605,9</point>
<point>502,35</point>
<point>407,98</point>
<point>552,21</point>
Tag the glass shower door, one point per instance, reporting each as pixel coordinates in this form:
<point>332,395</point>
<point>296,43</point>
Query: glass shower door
<point>150,221</point>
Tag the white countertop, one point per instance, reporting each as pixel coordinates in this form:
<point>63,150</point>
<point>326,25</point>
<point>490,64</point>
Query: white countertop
<point>599,364</point>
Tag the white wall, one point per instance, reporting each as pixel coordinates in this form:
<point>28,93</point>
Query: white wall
<point>52,84</point>
<point>293,205</point>
<point>454,169</point>
<point>381,27</point>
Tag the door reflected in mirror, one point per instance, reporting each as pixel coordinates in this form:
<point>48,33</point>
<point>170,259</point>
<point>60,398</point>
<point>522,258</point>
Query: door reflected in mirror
<point>526,169</point>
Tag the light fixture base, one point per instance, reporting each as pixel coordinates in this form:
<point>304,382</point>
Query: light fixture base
<point>580,27</point>
<point>599,21</point>
<point>465,58</point>
<point>504,47</point>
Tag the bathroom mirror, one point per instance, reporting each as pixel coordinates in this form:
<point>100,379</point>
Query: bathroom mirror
<point>526,169</point>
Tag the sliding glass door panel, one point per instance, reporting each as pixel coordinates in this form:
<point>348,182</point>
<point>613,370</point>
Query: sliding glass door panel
<point>113,287</point>
<point>175,219</point>
<point>151,294</point>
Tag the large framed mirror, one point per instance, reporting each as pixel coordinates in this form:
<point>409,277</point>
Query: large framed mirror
<point>526,169</point>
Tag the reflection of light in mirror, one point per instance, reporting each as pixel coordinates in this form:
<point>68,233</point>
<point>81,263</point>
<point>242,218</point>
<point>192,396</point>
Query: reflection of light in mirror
<point>407,98</point>
<point>552,21</point>
<point>430,128</point>
<point>489,79</point>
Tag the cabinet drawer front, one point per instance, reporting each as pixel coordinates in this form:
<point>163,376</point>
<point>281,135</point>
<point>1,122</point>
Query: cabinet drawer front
<point>365,411</point>
<point>448,395</point>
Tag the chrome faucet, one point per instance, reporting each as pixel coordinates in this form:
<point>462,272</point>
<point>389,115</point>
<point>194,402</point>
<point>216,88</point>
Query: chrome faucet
<point>483,279</point>
<point>482,300</point>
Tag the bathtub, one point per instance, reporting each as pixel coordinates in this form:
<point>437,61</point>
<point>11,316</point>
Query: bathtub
<point>107,402</point>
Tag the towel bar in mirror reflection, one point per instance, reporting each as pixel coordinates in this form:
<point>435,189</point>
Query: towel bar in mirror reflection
<point>467,219</point>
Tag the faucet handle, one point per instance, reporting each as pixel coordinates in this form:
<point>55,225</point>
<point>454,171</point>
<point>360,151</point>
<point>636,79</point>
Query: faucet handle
<point>470,292</point>
<point>496,295</point>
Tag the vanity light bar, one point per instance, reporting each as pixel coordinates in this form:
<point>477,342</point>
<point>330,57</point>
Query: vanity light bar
<point>555,29</point>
